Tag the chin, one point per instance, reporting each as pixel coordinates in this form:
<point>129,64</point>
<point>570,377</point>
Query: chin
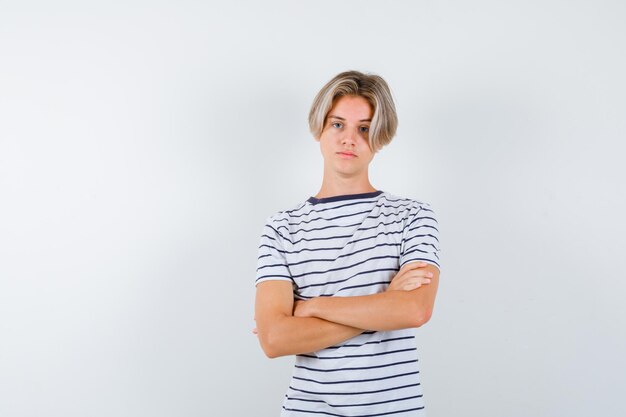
<point>348,172</point>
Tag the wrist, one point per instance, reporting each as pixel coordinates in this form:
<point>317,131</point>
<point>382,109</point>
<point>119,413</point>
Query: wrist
<point>304,308</point>
<point>311,307</point>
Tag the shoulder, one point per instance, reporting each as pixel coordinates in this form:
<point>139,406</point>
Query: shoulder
<point>280,221</point>
<point>412,205</point>
<point>283,216</point>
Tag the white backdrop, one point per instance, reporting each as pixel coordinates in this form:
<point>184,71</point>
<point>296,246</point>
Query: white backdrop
<point>143,145</point>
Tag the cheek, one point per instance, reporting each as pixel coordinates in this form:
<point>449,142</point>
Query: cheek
<point>368,151</point>
<point>365,146</point>
<point>325,145</point>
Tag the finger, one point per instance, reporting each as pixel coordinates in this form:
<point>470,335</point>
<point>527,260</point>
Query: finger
<point>415,283</point>
<point>411,287</point>
<point>412,276</point>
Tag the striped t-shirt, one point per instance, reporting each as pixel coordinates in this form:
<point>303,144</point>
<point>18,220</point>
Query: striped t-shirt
<point>345,246</point>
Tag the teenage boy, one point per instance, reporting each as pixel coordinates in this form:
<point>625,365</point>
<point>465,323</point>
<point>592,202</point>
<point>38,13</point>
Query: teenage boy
<point>344,277</point>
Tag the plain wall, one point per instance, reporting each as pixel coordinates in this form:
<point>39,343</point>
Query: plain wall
<point>143,145</point>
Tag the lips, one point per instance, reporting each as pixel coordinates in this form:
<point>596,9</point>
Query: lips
<point>346,154</point>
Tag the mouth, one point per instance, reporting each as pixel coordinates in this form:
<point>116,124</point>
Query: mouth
<point>346,154</point>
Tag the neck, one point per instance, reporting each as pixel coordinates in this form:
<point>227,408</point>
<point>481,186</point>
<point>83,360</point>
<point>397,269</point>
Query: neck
<point>336,185</point>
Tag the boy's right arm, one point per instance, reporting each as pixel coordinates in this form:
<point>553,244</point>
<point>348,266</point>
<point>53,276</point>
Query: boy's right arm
<point>280,333</point>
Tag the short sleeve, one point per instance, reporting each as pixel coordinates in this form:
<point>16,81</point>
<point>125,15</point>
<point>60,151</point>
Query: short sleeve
<point>272,261</point>
<point>420,237</point>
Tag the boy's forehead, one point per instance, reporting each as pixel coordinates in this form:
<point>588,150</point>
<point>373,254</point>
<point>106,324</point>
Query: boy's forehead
<point>354,107</point>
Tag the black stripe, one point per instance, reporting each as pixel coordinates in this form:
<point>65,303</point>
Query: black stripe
<point>356,393</point>
<point>423,225</point>
<point>354,405</point>
<point>391,339</point>
<point>429,235</point>
<point>421,218</point>
<point>358,368</point>
<point>350,277</point>
<point>420,259</point>
<point>410,203</point>
<point>332,226</point>
<point>322,200</point>
<point>344,255</point>
<point>345,267</point>
<point>270,266</point>
<point>347,215</point>
<point>347,381</point>
<point>344,236</point>
<point>360,415</point>
<point>422,244</point>
<point>379,224</point>
<point>421,251</point>
<point>273,276</point>
<point>321,238</point>
<point>268,236</point>
<point>305,249</point>
<point>366,355</point>
<point>362,286</point>
<point>373,236</point>
<point>378,216</point>
<point>315,210</point>
<point>279,234</point>
<point>356,213</point>
<point>300,206</point>
<point>415,250</point>
<point>331,248</point>
<point>369,284</point>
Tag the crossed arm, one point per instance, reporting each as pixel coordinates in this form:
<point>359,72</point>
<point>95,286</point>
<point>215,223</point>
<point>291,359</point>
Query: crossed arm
<point>285,327</point>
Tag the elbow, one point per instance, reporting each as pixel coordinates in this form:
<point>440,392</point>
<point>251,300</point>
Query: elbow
<point>270,345</point>
<point>267,348</point>
<point>271,352</point>
<point>421,317</point>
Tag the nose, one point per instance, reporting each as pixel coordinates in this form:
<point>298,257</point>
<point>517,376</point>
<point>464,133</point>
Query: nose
<point>349,138</point>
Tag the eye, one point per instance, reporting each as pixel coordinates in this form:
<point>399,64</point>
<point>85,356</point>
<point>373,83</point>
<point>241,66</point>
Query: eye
<point>364,129</point>
<point>336,125</point>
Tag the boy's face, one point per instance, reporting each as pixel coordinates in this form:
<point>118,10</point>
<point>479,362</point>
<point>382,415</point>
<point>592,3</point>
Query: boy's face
<point>344,139</point>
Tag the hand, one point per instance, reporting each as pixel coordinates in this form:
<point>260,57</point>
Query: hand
<point>412,275</point>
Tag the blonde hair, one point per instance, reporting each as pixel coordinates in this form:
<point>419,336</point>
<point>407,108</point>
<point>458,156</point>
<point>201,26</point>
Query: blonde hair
<point>371,87</point>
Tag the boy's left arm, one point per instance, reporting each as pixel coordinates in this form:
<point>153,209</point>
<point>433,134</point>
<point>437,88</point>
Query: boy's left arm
<point>390,310</point>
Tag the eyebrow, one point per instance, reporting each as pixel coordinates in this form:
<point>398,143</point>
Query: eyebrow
<point>341,118</point>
